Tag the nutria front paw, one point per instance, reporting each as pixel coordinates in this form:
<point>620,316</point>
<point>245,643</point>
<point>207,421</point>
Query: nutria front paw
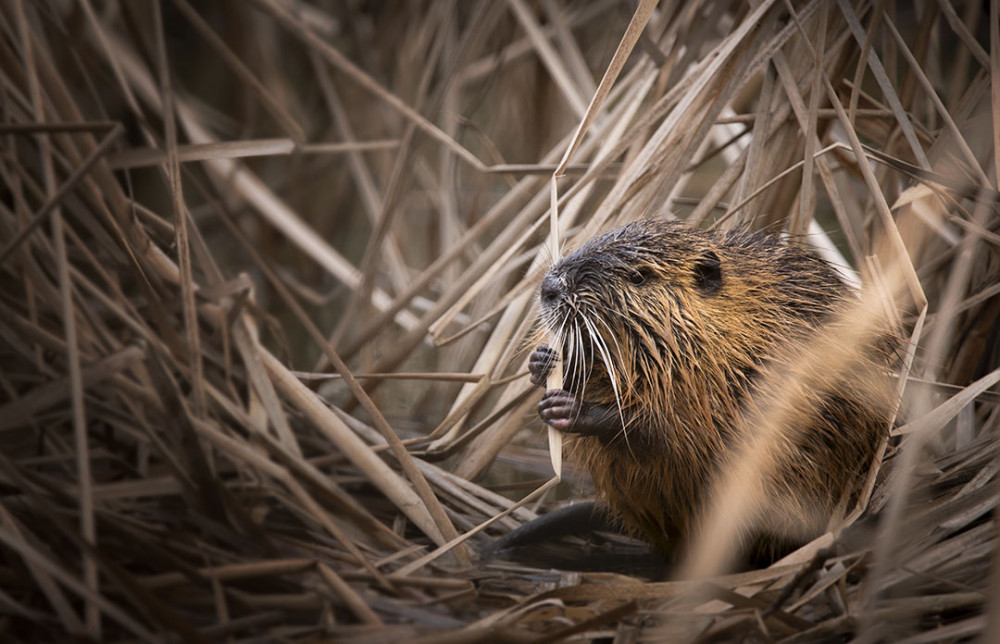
<point>559,409</point>
<point>540,364</point>
<point>563,411</point>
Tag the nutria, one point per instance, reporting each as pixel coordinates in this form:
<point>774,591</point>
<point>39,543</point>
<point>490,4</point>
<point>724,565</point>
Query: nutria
<point>666,333</point>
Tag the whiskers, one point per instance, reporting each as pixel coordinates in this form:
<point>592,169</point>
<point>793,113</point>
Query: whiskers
<point>612,373</point>
<point>578,335</point>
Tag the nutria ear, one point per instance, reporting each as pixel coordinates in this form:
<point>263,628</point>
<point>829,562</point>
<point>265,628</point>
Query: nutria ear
<point>708,272</point>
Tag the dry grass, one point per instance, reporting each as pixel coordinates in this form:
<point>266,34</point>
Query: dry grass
<point>208,205</point>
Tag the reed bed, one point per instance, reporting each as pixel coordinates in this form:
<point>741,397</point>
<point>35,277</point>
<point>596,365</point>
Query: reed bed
<point>269,274</point>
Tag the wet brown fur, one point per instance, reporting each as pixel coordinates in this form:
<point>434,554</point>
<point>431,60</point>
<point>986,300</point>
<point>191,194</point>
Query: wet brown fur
<point>688,358</point>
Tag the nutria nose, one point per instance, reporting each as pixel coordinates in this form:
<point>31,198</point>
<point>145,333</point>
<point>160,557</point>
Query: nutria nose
<point>550,289</point>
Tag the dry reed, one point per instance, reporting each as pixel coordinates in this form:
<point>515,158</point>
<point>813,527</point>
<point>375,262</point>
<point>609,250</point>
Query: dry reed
<point>268,278</point>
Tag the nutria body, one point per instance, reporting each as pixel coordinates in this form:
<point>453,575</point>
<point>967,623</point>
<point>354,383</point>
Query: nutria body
<point>666,334</point>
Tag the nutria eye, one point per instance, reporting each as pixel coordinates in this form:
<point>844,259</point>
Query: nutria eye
<point>638,277</point>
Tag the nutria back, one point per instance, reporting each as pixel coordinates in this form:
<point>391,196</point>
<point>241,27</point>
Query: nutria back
<point>666,334</point>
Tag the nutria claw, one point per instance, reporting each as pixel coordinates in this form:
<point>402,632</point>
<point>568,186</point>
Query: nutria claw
<point>563,411</point>
<point>559,409</point>
<point>540,364</point>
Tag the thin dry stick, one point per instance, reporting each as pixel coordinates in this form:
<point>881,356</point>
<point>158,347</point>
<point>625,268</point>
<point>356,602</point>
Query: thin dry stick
<point>338,60</point>
<point>58,195</point>
<point>378,472</point>
<point>909,272</point>
<point>995,87</point>
<point>280,114</point>
<point>354,601</point>
<point>458,540</point>
<point>885,84</point>
<point>958,139</point>
<point>639,19</point>
<point>194,356</point>
<point>52,592</point>
<point>550,58</point>
<point>799,224</point>
<point>375,206</point>
<point>31,554</point>
<point>243,453</point>
<point>992,631</point>
<point>144,157</point>
<point>88,528</point>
